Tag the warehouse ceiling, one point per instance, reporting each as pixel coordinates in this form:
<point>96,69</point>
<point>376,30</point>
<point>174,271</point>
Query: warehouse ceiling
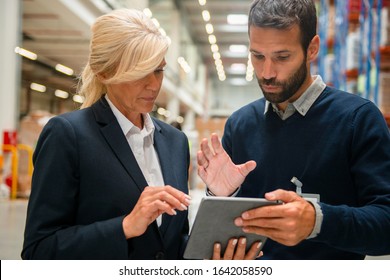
<point>58,31</point>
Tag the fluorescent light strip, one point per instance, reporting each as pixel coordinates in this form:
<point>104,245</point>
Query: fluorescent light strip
<point>37,87</point>
<point>206,15</point>
<point>212,39</point>
<point>209,28</point>
<point>26,53</point>
<point>184,64</point>
<point>214,48</point>
<point>78,98</point>
<point>61,94</point>
<point>238,48</point>
<point>237,19</point>
<point>213,43</point>
<point>64,69</point>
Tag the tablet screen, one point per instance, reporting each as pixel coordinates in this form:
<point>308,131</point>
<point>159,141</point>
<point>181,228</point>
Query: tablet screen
<point>214,222</point>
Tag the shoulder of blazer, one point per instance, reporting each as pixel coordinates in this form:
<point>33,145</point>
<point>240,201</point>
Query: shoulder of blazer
<point>102,111</point>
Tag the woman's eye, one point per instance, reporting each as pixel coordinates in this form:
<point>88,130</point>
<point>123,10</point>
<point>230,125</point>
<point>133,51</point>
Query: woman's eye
<point>258,56</point>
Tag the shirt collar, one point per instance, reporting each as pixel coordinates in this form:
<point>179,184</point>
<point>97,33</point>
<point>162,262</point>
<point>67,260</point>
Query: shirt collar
<point>306,100</point>
<point>127,126</point>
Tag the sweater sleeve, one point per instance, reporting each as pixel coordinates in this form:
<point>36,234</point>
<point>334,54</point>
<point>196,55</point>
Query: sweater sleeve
<point>363,229</point>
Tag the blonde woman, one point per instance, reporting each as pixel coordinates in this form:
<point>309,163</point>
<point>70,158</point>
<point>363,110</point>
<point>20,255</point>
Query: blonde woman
<point>103,184</point>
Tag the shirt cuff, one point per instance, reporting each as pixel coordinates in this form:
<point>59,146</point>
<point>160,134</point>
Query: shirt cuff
<point>210,193</point>
<point>318,222</point>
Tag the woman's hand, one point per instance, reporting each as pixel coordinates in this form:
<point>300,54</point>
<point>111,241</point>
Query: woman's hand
<point>235,250</point>
<point>153,202</point>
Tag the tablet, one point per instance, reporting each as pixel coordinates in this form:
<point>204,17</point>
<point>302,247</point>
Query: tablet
<point>214,222</point>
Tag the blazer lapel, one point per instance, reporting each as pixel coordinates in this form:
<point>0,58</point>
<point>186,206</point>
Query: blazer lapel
<point>117,141</point>
<point>161,144</point>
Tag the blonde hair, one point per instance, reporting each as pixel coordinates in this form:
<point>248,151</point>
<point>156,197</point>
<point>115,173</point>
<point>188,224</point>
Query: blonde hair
<point>126,46</point>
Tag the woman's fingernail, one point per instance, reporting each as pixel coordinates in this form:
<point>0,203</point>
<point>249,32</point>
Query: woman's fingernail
<point>234,242</point>
<point>238,222</point>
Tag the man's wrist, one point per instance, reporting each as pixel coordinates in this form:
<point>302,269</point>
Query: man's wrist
<point>210,193</point>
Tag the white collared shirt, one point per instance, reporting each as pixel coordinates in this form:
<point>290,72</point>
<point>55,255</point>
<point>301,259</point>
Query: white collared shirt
<point>303,103</point>
<point>141,143</point>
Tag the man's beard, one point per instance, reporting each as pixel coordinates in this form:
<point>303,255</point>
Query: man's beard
<point>289,87</point>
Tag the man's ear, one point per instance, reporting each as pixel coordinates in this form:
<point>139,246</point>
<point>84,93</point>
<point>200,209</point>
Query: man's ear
<point>313,49</point>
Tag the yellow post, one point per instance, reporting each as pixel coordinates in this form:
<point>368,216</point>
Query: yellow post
<point>29,151</point>
<point>14,168</point>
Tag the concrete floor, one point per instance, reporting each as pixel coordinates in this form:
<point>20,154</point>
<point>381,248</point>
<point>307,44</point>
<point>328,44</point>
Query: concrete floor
<point>13,216</point>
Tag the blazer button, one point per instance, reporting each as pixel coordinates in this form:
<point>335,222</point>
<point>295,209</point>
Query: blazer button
<point>160,255</point>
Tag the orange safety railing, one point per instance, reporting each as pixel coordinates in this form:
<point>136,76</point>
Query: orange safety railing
<point>14,168</point>
<point>15,164</point>
<point>29,151</point>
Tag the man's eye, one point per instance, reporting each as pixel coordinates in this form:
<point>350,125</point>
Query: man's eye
<point>283,57</point>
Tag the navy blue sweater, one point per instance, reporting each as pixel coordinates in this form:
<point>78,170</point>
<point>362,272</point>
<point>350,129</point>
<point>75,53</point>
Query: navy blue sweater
<point>340,150</point>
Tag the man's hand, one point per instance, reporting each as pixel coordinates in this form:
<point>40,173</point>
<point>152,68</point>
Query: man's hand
<point>217,170</point>
<point>288,223</point>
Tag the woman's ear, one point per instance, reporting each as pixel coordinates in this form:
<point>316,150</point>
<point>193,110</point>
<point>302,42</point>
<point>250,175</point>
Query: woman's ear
<point>101,77</point>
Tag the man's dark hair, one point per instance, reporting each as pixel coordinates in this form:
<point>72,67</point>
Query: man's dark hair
<point>283,14</point>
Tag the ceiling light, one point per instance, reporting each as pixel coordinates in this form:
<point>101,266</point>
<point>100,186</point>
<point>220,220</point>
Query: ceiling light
<point>219,67</point>
<point>26,53</point>
<point>238,48</point>
<point>222,78</point>
<point>209,28</point>
<point>184,64</point>
<point>214,48</point>
<point>206,15</point>
<point>202,2</point>
<point>216,55</point>
<point>212,39</point>
<point>61,94</point>
<point>64,69</point>
<point>238,82</point>
<point>161,111</point>
<point>38,87</point>
<point>238,68</point>
<point>78,98</point>
<point>237,19</point>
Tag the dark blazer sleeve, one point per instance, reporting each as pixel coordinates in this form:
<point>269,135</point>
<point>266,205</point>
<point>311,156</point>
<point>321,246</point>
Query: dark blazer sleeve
<point>52,229</point>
